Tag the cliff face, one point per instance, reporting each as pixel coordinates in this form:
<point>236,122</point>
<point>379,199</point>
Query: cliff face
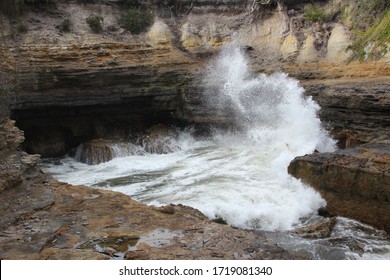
<point>356,111</point>
<point>78,85</point>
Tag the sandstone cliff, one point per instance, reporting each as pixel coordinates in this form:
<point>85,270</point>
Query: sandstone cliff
<point>78,85</point>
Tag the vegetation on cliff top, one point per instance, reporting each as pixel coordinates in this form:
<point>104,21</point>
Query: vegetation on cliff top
<point>136,21</point>
<point>372,32</point>
<point>368,20</point>
<point>95,23</point>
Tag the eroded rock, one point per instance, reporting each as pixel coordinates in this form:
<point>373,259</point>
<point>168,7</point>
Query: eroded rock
<point>321,229</point>
<point>102,150</point>
<point>355,182</point>
<point>159,139</point>
<point>356,111</point>
<point>308,52</point>
<point>337,45</point>
<point>95,152</point>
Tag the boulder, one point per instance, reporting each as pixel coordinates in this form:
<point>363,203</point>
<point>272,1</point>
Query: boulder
<point>289,47</point>
<point>337,45</point>
<point>102,150</point>
<point>95,152</point>
<point>355,182</point>
<point>159,35</point>
<point>308,52</point>
<point>321,229</point>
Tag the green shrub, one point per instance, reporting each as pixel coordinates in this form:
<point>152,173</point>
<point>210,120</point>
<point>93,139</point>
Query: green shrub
<point>315,13</point>
<point>65,25</point>
<point>95,23</point>
<point>372,43</point>
<point>136,21</point>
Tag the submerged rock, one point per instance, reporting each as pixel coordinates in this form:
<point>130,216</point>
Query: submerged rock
<point>101,150</point>
<point>95,152</point>
<point>159,139</point>
<point>355,182</point>
<point>322,229</point>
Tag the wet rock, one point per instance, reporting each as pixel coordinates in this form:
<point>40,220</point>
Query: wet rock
<point>95,152</point>
<point>101,150</point>
<point>167,209</point>
<point>321,229</point>
<point>219,220</point>
<point>355,182</point>
<point>159,139</point>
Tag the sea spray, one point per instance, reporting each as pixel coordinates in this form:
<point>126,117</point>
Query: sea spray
<point>266,107</point>
<point>239,177</point>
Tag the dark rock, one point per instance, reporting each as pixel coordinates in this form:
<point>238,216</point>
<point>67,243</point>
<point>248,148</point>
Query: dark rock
<point>354,110</point>
<point>95,152</point>
<point>102,150</point>
<point>167,209</point>
<point>159,139</point>
<point>355,182</point>
<point>323,212</point>
<point>219,220</point>
<point>321,229</point>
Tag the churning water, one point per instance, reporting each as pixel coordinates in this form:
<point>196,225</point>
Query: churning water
<point>238,176</point>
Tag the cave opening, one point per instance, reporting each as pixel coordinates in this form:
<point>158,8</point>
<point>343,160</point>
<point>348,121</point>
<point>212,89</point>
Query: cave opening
<point>53,131</point>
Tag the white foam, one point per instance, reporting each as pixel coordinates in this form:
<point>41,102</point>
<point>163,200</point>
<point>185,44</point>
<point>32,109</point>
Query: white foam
<point>241,177</point>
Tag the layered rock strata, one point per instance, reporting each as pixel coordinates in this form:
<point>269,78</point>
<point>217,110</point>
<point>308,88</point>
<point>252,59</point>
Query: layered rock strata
<point>76,86</point>
<point>356,111</point>
<point>355,182</point>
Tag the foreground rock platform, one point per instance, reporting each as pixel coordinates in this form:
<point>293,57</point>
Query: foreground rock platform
<point>355,182</point>
<point>84,223</point>
<point>42,218</point>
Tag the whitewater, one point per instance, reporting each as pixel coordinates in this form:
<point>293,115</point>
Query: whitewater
<point>238,175</point>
